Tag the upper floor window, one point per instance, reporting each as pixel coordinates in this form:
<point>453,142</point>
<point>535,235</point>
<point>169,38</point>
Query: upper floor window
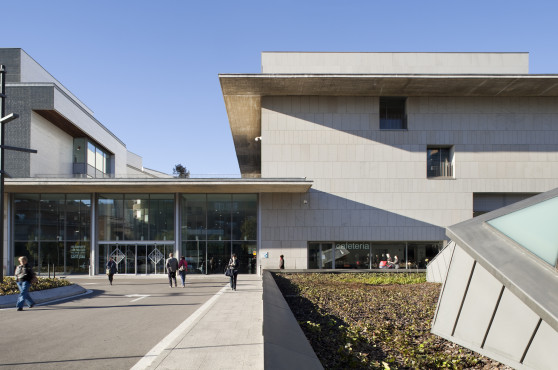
<point>90,160</point>
<point>439,162</point>
<point>393,115</point>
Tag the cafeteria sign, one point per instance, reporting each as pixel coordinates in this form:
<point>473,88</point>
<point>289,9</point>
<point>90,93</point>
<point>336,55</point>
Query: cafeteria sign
<point>77,251</point>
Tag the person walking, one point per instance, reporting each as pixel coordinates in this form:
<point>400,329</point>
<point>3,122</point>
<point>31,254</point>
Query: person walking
<point>233,265</point>
<point>182,268</point>
<point>281,262</point>
<point>172,266</point>
<point>111,269</point>
<point>24,276</point>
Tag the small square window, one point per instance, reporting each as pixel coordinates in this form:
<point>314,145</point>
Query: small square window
<point>393,115</point>
<point>439,162</point>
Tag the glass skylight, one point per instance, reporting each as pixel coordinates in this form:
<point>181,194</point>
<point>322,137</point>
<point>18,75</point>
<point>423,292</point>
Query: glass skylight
<point>535,228</point>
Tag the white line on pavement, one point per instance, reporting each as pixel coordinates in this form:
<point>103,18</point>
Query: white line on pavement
<point>141,296</point>
<point>180,329</point>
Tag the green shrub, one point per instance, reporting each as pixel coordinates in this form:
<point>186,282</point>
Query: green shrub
<point>9,286</point>
<point>373,321</point>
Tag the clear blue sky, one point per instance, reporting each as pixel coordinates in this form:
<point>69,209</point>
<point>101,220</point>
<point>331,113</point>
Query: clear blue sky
<point>149,69</point>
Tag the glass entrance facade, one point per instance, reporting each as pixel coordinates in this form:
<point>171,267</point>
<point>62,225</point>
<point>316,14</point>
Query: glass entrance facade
<point>137,230</point>
<point>136,258</point>
<point>214,226</point>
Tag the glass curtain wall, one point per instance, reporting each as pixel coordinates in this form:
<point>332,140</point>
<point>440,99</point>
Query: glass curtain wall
<point>53,231</point>
<point>371,255</point>
<point>137,230</point>
<point>214,226</point>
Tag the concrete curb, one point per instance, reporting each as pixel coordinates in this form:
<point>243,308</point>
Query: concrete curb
<point>285,345</point>
<point>42,296</point>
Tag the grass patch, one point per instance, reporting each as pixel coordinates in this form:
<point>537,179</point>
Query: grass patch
<point>374,321</point>
<point>9,286</point>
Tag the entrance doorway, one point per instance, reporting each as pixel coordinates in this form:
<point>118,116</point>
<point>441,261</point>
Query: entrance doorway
<point>136,258</point>
<point>212,256</point>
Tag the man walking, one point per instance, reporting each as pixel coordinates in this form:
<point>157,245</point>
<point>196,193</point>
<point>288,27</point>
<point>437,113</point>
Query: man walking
<point>172,266</point>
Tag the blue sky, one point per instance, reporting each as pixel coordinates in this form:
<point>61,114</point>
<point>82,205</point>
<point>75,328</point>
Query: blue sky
<point>149,69</point>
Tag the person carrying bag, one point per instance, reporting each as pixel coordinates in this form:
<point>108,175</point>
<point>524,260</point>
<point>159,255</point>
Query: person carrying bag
<point>182,268</point>
<point>232,270</point>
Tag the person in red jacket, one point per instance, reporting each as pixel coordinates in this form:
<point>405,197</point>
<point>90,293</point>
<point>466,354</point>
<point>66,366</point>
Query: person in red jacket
<point>182,268</point>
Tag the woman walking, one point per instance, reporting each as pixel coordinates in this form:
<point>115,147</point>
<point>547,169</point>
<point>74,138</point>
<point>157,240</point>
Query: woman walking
<point>24,275</point>
<point>182,268</point>
<point>233,265</point>
<point>111,269</point>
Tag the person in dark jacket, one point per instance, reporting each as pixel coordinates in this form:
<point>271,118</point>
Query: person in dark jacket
<point>233,265</point>
<point>24,275</point>
<point>172,266</point>
<point>111,269</point>
<point>281,262</point>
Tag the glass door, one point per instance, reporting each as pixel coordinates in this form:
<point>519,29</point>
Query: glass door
<point>156,258</point>
<point>130,260</point>
<point>141,259</point>
<point>246,254</point>
<point>218,256</point>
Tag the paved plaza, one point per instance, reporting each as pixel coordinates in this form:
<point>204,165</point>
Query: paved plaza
<point>140,323</point>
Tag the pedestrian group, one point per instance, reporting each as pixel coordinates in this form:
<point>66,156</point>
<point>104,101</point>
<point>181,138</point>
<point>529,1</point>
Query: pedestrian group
<point>25,276</point>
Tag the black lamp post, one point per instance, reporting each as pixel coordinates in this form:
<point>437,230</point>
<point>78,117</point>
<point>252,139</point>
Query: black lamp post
<point>4,120</point>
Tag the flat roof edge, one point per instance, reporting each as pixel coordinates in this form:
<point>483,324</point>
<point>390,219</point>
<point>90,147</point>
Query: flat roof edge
<point>157,185</point>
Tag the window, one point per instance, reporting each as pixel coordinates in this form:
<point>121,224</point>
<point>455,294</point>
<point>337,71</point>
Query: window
<point>487,202</point>
<point>439,162</point>
<point>90,160</point>
<point>393,115</point>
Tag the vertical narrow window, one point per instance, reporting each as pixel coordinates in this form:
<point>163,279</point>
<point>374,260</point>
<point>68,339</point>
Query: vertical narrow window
<point>393,115</point>
<point>439,162</point>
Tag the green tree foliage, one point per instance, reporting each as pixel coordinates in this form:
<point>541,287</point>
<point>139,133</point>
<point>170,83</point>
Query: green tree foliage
<point>180,171</point>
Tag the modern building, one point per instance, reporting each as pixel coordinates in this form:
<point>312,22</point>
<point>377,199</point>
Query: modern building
<point>344,158</point>
<point>398,147</point>
<point>83,197</point>
<point>500,275</point>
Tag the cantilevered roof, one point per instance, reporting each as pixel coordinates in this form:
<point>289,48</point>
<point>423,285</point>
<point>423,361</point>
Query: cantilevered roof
<point>243,92</point>
<point>174,185</point>
<point>526,274</point>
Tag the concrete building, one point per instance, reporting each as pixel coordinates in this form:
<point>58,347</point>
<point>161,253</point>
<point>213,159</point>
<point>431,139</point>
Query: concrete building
<point>398,146</point>
<point>345,158</point>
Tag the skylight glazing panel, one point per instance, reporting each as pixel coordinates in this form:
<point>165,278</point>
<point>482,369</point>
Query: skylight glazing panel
<point>535,228</point>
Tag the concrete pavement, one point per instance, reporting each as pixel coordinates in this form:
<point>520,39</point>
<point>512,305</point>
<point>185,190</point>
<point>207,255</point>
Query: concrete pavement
<point>225,333</point>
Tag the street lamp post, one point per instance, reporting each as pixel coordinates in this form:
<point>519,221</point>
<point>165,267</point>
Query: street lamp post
<point>3,121</point>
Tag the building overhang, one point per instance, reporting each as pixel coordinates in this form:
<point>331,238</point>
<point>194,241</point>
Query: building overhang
<point>160,186</point>
<point>243,93</point>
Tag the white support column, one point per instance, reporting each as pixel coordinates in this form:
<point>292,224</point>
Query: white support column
<point>259,236</point>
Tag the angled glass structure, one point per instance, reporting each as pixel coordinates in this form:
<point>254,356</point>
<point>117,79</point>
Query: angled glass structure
<point>500,278</point>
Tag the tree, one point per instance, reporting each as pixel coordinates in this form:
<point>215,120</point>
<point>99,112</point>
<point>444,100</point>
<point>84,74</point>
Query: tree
<point>180,171</point>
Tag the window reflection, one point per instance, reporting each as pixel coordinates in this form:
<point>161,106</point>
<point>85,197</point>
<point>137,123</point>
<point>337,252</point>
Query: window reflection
<point>370,254</point>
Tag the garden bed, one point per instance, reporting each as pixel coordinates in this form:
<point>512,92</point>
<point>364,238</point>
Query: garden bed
<point>373,321</point>
<point>9,286</point>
